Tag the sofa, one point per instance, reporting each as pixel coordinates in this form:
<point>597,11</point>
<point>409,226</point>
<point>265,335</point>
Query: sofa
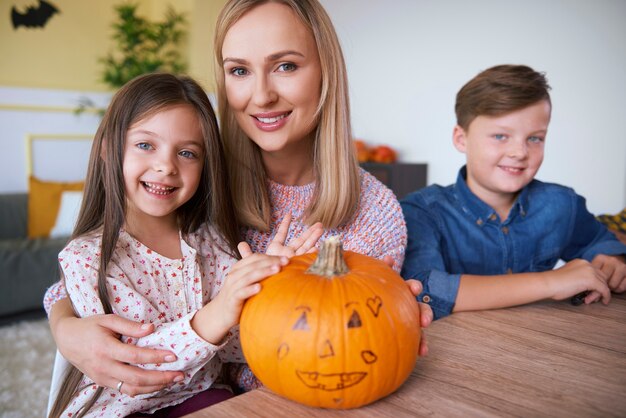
<point>27,266</point>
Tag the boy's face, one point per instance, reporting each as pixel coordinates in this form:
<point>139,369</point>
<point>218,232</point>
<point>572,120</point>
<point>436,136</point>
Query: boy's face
<point>503,152</point>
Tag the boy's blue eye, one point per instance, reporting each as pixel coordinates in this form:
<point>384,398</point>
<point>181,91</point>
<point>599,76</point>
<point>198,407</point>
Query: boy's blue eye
<point>500,137</point>
<point>287,67</point>
<point>144,146</point>
<point>535,139</point>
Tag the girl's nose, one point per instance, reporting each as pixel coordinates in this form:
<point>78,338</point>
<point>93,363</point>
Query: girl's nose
<point>165,165</point>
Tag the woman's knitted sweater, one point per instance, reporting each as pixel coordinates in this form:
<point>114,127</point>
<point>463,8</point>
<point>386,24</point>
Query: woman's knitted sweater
<point>377,228</point>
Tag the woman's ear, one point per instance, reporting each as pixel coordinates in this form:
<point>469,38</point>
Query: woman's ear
<point>459,138</point>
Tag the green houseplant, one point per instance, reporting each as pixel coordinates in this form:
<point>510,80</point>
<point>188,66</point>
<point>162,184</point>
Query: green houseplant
<point>142,46</point>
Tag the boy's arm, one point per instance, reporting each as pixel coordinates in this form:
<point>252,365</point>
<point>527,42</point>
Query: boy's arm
<point>502,291</point>
<point>589,237</point>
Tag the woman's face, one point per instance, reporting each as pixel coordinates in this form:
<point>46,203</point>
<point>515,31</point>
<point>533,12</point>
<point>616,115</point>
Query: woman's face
<point>273,78</point>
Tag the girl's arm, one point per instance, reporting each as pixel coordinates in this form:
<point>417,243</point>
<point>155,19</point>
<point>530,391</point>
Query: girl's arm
<point>501,291</point>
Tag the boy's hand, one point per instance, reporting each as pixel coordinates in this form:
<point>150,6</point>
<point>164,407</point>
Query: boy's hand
<point>614,269</point>
<point>578,276</point>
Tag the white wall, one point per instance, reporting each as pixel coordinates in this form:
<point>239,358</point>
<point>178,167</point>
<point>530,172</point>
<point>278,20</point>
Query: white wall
<point>43,113</point>
<point>408,58</point>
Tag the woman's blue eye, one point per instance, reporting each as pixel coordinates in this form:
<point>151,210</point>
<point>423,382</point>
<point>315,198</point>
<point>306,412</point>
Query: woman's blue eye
<point>144,146</point>
<point>287,67</point>
<point>238,71</point>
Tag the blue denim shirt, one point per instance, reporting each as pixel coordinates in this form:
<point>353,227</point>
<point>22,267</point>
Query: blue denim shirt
<point>452,232</point>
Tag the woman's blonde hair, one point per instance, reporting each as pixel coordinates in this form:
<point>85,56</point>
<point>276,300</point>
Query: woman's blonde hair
<point>337,184</point>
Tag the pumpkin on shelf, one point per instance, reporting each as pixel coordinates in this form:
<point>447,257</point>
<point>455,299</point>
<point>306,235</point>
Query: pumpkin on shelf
<point>362,151</point>
<point>334,330</point>
<point>383,154</point>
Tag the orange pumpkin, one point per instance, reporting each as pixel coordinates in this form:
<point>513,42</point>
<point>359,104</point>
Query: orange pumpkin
<point>362,151</point>
<point>383,154</point>
<point>336,331</point>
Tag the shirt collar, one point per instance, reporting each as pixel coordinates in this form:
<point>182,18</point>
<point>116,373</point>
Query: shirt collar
<point>479,210</point>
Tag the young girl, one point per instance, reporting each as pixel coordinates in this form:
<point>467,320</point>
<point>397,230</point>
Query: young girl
<point>285,120</point>
<point>155,241</point>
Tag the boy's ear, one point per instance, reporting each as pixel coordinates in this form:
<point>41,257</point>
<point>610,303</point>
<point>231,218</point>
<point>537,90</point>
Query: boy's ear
<point>459,138</point>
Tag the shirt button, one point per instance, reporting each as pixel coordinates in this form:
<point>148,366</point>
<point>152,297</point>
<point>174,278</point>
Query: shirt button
<point>492,216</point>
<point>479,222</point>
<point>426,299</point>
<point>505,230</point>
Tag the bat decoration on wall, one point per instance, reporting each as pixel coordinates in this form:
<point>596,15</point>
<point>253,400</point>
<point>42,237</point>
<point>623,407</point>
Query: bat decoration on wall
<point>34,17</point>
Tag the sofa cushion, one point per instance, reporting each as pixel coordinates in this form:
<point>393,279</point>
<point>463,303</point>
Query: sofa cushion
<point>13,215</point>
<point>28,268</point>
<point>44,199</point>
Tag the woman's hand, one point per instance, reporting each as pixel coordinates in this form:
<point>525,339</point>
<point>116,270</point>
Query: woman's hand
<point>305,243</point>
<point>92,345</point>
<point>213,321</point>
<point>426,312</point>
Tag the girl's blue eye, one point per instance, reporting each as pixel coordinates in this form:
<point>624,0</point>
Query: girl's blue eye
<point>535,139</point>
<point>500,137</point>
<point>287,67</point>
<point>144,146</point>
<point>187,154</point>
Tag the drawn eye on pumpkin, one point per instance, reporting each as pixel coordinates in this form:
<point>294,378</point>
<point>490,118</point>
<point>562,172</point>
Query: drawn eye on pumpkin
<point>355,318</point>
<point>302,324</point>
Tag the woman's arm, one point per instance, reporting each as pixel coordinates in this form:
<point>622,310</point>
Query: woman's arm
<point>92,345</point>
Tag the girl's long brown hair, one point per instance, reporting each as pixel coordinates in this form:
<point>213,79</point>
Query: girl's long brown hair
<point>104,202</point>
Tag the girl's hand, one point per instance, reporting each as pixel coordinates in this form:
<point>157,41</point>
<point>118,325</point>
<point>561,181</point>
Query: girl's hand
<point>578,276</point>
<point>305,243</point>
<point>92,345</point>
<point>213,321</point>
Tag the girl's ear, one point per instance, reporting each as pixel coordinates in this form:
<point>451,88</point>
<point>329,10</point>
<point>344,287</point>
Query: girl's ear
<point>459,138</point>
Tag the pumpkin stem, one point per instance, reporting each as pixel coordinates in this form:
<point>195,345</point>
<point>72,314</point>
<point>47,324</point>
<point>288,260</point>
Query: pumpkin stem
<point>330,260</point>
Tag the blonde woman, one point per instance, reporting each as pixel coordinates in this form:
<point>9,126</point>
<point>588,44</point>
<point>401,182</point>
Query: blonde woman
<point>285,120</point>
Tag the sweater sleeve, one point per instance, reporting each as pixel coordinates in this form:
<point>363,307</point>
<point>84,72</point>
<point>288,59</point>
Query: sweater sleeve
<point>378,228</point>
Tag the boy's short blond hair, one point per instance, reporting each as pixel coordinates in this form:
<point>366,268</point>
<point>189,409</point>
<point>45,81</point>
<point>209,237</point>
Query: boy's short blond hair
<point>500,90</point>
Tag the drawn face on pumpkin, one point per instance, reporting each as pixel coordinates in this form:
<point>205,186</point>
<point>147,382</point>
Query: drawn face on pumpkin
<point>325,374</point>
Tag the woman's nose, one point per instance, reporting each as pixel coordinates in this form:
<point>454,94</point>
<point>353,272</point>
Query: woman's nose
<point>264,92</point>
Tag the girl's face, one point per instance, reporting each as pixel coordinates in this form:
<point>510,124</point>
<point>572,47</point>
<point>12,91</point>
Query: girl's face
<point>163,159</point>
<point>273,77</point>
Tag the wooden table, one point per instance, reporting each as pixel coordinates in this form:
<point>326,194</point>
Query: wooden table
<point>547,359</point>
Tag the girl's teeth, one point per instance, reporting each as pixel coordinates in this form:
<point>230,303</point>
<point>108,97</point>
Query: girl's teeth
<point>156,189</point>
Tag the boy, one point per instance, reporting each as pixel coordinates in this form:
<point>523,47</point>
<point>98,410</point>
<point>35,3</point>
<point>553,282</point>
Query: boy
<point>492,239</point>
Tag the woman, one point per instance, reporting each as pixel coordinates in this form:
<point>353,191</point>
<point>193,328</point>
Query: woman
<point>285,118</point>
